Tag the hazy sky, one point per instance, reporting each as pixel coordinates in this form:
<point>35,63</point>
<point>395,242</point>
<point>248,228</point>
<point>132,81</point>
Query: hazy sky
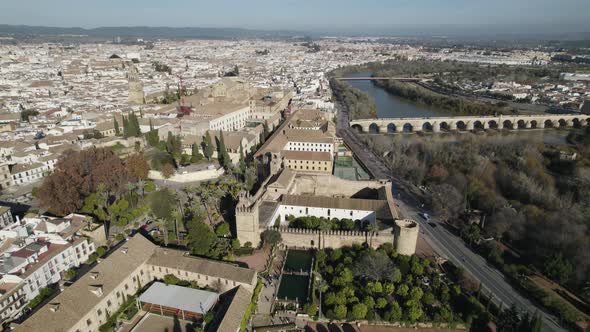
<point>307,15</point>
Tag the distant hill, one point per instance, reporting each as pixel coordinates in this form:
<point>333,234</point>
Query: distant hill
<point>146,32</point>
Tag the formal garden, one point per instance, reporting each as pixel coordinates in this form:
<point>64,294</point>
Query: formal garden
<point>378,285</point>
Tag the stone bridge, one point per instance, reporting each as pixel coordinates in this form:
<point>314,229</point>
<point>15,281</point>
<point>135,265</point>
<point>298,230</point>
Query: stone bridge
<point>467,123</point>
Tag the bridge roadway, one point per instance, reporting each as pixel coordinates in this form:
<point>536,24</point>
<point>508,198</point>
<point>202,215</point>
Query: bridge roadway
<point>436,124</point>
<point>442,241</point>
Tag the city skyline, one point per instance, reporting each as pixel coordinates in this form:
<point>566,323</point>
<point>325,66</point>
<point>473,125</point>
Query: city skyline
<point>371,17</point>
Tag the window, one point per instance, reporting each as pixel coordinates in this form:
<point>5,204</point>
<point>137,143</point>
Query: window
<point>88,322</point>
<point>99,312</point>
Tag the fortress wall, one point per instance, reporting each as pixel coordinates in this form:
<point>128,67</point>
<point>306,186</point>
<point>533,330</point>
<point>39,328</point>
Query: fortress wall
<point>305,238</point>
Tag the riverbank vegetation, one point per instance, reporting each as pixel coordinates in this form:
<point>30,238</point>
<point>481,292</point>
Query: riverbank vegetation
<point>531,197</point>
<point>453,105</point>
<point>360,104</point>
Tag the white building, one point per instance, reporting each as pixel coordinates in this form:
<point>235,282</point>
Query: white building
<point>365,210</point>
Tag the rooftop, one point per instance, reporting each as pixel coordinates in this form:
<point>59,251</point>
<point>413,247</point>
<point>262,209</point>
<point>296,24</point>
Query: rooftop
<point>182,298</point>
<point>176,259</point>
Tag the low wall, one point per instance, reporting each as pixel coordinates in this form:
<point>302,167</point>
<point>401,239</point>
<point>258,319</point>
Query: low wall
<point>307,238</point>
<point>204,175</point>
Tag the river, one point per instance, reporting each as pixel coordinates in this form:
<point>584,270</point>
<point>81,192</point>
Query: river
<point>391,106</point>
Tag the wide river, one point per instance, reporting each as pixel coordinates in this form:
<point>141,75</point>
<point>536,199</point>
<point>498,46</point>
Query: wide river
<point>391,106</point>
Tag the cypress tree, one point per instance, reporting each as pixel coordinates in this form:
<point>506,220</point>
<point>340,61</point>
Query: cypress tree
<point>208,147</point>
<point>265,132</point>
<point>131,132</point>
<point>222,154</point>
<point>242,160</point>
<point>117,131</point>
<point>133,124</point>
<point>125,127</point>
<point>196,156</point>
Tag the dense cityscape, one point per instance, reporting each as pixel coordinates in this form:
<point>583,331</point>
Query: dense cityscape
<point>186,179</point>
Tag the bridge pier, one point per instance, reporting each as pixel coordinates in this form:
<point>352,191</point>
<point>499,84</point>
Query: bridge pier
<point>569,123</point>
<point>527,125</point>
<point>452,126</point>
<point>469,126</point>
<point>383,129</point>
<point>436,127</point>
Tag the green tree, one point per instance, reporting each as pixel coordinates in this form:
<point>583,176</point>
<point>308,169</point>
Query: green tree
<point>200,236</point>
<point>359,311</point>
<point>117,130</point>
<point>402,290</point>
<point>413,310</point>
<point>171,279</point>
<point>222,154</point>
<point>196,156</point>
<point>558,268</point>
<point>340,311</point>
<point>416,294</point>
<point>396,275</point>
<point>242,162</point>
<point>508,320</point>
<point>162,204</point>
<point>311,309</point>
<point>223,230</point>
<point>125,127</point>
<point>381,303</point>
<point>394,313</point>
<point>271,237</point>
<point>208,146</point>
<point>470,233</point>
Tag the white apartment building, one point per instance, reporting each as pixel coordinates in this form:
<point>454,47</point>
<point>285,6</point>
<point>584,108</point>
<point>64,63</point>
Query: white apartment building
<point>5,216</point>
<point>27,173</point>
<point>41,263</point>
<point>12,297</point>
<point>230,119</point>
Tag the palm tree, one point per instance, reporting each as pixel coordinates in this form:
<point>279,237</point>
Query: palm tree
<point>176,215</point>
<point>321,286</point>
<point>163,226</point>
<point>141,186</point>
<point>130,188</point>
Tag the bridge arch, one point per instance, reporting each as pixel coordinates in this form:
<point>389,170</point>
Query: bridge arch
<point>577,122</point>
<point>373,128</point>
<point>478,125</point>
<point>427,126</point>
<point>461,125</point>
<point>357,127</point>
<point>408,127</point>
<point>548,123</point>
<point>507,124</point>
<point>492,124</point>
<point>444,125</point>
<point>562,123</point>
<point>391,128</point>
<point>534,124</point>
<point>521,124</point>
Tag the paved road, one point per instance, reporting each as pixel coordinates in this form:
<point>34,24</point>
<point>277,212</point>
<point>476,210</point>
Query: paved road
<point>443,242</point>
